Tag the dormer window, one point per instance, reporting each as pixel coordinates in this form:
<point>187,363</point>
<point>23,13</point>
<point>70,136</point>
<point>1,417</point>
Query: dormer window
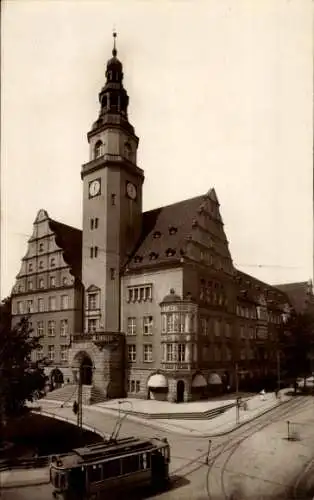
<point>138,258</point>
<point>156,235</point>
<point>170,252</point>
<point>99,150</point>
<point>153,256</point>
<point>173,230</point>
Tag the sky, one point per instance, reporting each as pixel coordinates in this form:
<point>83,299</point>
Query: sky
<point>220,96</point>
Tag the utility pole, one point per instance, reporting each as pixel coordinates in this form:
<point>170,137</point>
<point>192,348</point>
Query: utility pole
<point>80,399</point>
<point>237,378</point>
<point>278,370</point>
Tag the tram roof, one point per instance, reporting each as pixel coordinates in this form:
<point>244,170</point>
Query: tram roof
<point>105,450</point>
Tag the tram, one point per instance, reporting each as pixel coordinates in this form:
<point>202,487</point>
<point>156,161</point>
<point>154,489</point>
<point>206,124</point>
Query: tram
<point>110,466</point>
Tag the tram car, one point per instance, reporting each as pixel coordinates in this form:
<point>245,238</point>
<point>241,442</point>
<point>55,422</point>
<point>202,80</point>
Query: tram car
<point>114,467</point>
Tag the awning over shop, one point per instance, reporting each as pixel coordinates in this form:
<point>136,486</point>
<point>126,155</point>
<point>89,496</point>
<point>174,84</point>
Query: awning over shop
<point>157,381</point>
<point>199,381</point>
<point>214,379</point>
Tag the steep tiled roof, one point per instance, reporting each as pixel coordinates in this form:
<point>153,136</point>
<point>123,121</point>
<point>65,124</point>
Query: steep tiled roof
<point>253,288</point>
<point>70,240</point>
<point>298,294</point>
<point>164,233</point>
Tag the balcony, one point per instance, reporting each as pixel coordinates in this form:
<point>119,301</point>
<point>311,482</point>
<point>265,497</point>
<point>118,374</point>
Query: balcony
<point>99,338</point>
<point>178,365</point>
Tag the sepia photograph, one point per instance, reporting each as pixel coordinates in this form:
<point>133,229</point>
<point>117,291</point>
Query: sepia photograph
<point>157,250</point>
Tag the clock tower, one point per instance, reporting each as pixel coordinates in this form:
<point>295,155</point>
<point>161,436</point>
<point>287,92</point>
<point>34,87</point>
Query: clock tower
<point>112,202</point>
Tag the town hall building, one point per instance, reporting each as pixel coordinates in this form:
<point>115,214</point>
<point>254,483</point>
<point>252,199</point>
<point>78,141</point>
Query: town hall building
<point>149,303</point>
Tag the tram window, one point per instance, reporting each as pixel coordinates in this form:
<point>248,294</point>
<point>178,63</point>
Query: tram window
<point>62,482</point>
<point>111,468</point>
<point>94,473</point>
<point>130,464</point>
<point>144,461</point>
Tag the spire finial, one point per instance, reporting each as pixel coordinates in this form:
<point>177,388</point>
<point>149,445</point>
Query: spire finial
<point>114,50</point>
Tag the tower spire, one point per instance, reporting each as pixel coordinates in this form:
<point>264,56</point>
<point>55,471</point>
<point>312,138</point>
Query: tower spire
<point>114,50</point>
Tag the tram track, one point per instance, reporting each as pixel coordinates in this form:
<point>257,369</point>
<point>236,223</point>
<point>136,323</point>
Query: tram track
<point>247,433</point>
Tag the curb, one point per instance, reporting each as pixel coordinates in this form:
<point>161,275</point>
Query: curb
<point>23,483</point>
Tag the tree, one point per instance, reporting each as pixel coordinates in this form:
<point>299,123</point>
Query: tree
<point>21,379</point>
<point>297,346</point>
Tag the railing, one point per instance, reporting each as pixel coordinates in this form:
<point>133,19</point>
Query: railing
<point>175,365</point>
<point>106,338</point>
<point>25,463</point>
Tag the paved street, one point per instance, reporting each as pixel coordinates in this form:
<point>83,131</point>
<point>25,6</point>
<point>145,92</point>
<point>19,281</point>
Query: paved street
<point>257,457</point>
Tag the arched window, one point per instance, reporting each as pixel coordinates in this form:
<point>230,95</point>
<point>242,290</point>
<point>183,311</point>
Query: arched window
<point>98,151</point>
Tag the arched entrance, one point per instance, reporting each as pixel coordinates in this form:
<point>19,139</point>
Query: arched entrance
<point>82,365</point>
<point>86,370</point>
<point>180,391</point>
<point>56,378</point>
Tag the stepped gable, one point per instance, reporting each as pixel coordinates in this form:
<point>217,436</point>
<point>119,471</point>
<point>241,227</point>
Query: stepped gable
<point>70,240</point>
<point>300,295</point>
<point>253,289</point>
<point>166,231</point>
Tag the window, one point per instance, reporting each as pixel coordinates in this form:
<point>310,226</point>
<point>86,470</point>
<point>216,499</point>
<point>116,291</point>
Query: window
<point>52,281</point>
<point>169,352</point>
<point>40,328</point>
<point>52,303</point>
<point>131,326</point>
<point>92,223</point>
<point>217,354</point>
<point>96,223</point>
<point>113,199</point>
<point>64,281</point>
<point>39,353</point>
<point>30,285</point>
<point>92,301</point>
<point>40,305</point>
<point>64,327</point>
<point>138,386</point>
<point>51,352</point>
<point>41,247</point>
<point>41,283</point>
<point>20,308</point>
<point>132,352</point>
<point>148,353</point>
<point>51,328</point>
<point>181,352</point>
<point>148,325</point>
<point>112,273</point>
<point>93,252</point>
<point>30,267</point>
<point>64,353</point>
<point>41,264</point>
<point>98,150</point>
<point>217,325</point>
<point>52,262</point>
<point>64,302</point>
<point>29,306</point>
<point>92,325</point>
<point>228,330</point>
<point>141,293</point>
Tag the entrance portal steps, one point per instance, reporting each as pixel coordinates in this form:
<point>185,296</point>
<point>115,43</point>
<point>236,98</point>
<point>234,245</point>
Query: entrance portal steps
<point>69,394</point>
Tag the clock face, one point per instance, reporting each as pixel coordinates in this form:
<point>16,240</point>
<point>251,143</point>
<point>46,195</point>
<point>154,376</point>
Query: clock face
<point>131,190</point>
<point>94,188</point>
